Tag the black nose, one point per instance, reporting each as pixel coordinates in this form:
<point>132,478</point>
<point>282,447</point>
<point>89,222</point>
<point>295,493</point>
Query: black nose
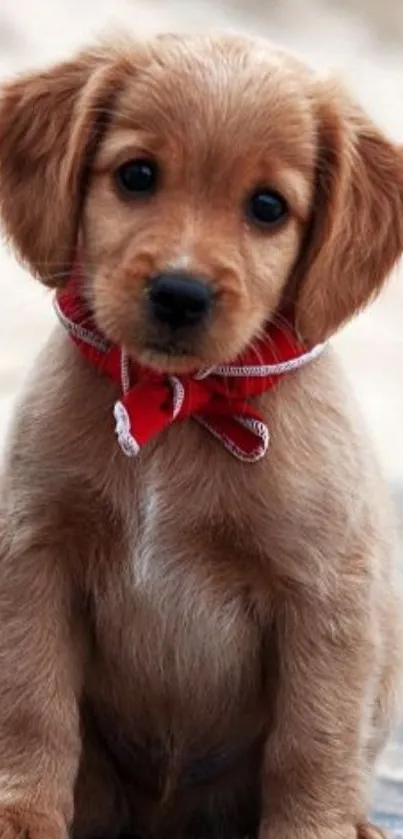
<point>179,299</point>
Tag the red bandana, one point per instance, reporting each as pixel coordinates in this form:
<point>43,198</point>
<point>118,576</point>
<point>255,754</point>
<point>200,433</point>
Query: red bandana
<point>217,398</point>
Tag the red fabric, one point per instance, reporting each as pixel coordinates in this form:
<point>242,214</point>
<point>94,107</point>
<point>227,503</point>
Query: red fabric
<point>220,400</point>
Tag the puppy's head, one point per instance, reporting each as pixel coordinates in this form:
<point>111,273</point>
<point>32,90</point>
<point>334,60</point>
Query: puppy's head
<point>208,185</point>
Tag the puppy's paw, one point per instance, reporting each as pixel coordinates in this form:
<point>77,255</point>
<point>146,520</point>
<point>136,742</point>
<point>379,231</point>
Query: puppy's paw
<point>287,831</point>
<point>25,823</point>
<point>366,830</point>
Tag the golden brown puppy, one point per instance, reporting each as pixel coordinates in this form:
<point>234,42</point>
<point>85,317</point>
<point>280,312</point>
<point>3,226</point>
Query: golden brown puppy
<point>192,645</point>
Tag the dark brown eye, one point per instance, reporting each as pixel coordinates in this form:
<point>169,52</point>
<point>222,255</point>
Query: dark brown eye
<point>137,177</point>
<point>266,207</point>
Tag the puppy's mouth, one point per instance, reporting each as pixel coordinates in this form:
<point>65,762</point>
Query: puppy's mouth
<point>168,348</point>
<point>170,356</point>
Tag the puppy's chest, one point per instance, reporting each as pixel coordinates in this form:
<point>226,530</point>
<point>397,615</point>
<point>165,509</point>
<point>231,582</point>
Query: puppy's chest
<point>192,617</point>
<point>184,633</point>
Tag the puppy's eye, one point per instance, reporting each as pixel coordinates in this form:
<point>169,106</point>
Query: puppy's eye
<point>137,177</point>
<point>267,207</point>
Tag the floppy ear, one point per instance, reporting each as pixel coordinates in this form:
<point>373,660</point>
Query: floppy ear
<point>50,124</point>
<point>356,231</point>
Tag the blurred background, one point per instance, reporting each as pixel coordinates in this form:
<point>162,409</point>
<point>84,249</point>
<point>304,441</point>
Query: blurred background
<point>363,40</point>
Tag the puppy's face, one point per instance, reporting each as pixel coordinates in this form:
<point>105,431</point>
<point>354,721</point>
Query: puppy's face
<point>208,187</point>
<point>198,200</point>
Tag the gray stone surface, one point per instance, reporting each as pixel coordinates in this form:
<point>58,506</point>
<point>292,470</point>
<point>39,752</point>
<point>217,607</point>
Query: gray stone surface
<point>388,794</point>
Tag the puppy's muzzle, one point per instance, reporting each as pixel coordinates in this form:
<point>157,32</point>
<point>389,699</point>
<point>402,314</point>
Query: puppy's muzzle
<point>179,300</point>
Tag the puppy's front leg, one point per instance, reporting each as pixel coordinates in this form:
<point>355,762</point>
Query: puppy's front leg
<point>39,684</point>
<point>314,771</point>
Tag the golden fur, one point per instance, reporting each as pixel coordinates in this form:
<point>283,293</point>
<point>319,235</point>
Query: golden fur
<point>192,646</point>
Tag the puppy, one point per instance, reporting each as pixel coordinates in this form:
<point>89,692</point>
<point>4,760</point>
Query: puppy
<point>199,627</point>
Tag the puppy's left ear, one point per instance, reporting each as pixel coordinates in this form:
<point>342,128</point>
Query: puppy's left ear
<point>356,231</point>
<point>50,124</point>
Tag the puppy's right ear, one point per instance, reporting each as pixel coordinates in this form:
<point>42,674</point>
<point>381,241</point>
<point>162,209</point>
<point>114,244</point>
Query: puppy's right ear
<point>50,125</point>
<point>356,232</point>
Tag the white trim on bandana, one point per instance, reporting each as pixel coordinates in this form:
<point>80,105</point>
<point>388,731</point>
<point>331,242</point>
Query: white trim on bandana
<point>270,369</point>
<point>76,329</point>
<point>127,442</point>
<point>178,395</point>
<point>258,428</point>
